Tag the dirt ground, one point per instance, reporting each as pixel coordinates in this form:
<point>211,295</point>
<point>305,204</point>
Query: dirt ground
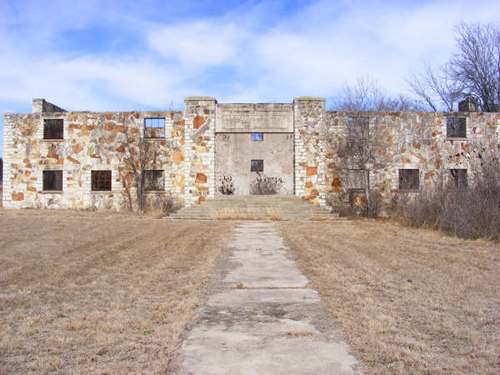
<point>92,293</point>
<point>408,301</point>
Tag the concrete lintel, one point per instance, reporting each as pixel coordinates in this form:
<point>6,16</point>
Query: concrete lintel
<point>309,98</point>
<point>200,98</point>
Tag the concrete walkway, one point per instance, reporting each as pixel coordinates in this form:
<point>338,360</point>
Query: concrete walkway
<point>264,320</point>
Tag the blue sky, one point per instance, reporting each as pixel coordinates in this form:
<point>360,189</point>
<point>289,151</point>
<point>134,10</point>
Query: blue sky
<point>111,55</point>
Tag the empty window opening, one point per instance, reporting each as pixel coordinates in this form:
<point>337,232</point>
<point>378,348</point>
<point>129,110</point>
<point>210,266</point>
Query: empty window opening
<point>153,180</point>
<point>53,129</point>
<point>356,178</point>
<point>459,178</point>
<point>52,180</point>
<point>456,127</point>
<point>257,166</point>
<point>101,180</point>
<point>154,127</point>
<point>358,128</point>
<point>257,137</point>
<point>409,179</point>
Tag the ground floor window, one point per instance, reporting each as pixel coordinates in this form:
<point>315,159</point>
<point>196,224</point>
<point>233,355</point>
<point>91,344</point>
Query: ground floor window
<point>459,178</point>
<point>52,180</point>
<point>409,179</point>
<point>153,180</point>
<point>101,180</point>
<point>257,166</point>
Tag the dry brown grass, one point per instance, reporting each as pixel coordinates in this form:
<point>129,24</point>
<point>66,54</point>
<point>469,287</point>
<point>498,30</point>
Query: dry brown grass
<point>93,293</point>
<point>409,301</point>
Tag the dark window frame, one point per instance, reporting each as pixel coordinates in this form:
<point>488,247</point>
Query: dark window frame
<point>53,128</point>
<point>101,180</point>
<point>257,165</point>
<point>257,137</point>
<point>409,179</point>
<point>151,180</point>
<point>55,182</point>
<point>152,124</point>
<point>456,127</point>
<point>459,176</point>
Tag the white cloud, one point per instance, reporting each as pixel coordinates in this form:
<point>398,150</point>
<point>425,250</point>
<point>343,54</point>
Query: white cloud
<point>198,43</point>
<point>248,54</point>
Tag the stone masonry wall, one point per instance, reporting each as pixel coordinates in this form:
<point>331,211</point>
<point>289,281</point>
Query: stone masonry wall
<point>200,114</point>
<point>310,177</point>
<point>92,141</point>
<point>322,172</point>
<point>408,140</point>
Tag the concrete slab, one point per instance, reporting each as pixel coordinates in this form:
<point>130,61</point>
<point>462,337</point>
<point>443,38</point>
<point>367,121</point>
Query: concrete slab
<point>267,326</point>
<point>240,297</point>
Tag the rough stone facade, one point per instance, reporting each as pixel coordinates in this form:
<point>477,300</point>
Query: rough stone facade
<point>303,145</point>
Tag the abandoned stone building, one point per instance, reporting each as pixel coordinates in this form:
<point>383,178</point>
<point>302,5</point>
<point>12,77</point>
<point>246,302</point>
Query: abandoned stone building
<point>64,159</point>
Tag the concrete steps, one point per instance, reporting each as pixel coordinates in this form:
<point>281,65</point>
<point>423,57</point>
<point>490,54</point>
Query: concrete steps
<point>256,207</point>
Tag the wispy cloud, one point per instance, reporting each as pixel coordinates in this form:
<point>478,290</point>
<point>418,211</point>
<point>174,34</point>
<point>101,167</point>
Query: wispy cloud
<point>152,53</point>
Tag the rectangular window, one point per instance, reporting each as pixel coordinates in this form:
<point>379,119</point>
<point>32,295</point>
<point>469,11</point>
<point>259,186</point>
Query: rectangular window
<point>53,129</point>
<point>358,128</point>
<point>153,180</point>
<point>456,127</point>
<point>459,178</point>
<point>52,180</point>
<point>257,137</point>
<point>101,180</point>
<point>409,179</point>
<point>257,166</point>
<point>154,127</point>
<point>355,179</point>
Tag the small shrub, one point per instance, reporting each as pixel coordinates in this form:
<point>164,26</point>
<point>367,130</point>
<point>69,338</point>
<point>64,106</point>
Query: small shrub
<point>165,205</point>
<point>226,186</point>
<point>264,185</point>
<point>471,212</point>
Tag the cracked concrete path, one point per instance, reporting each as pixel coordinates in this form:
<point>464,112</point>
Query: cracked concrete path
<point>264,319</point>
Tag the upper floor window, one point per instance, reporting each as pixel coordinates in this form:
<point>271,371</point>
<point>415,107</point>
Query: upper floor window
<point>52,180</point>
<point>53,128</point>
<point>101,180</point>
<point>456,127</point>
<point>358,128</point>
<point>257,137</point>
<point>153,180</point>
<point>409,179</point>
<point>154,127</point>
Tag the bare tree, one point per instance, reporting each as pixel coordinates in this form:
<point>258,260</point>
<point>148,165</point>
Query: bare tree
<point>436,89</point>
<point>366,95</point>
<point>476,65</point>
<point>474,70</point>
<point>357,158</point>
<point>140,153</point>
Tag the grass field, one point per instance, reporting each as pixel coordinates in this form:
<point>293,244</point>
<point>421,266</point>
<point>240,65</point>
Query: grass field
<point>97,293</point>
<point>408,301</point>
<point>92,293</point>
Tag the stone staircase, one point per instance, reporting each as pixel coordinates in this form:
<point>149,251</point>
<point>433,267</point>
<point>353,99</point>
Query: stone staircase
<point>256,207</point>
